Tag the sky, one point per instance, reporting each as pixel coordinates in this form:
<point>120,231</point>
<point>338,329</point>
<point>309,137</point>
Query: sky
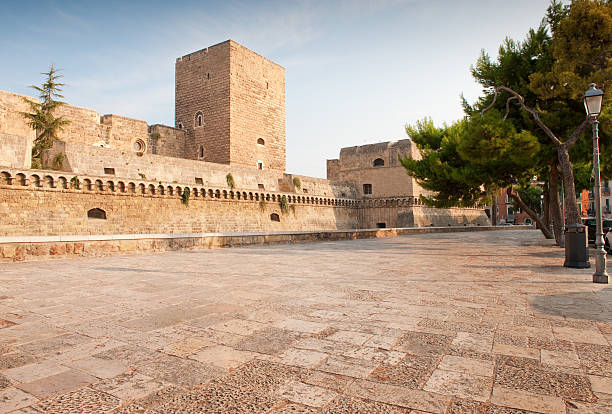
<point>356,71</point>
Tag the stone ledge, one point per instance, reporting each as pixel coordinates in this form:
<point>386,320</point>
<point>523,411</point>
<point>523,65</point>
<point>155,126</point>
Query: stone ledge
<point>27,248</point>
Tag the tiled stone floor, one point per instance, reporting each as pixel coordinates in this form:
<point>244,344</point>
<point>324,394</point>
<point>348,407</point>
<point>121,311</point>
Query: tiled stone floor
<point>484,322</point>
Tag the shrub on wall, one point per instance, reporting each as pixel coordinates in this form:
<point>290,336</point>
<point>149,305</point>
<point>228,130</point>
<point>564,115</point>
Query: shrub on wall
<point>230,181</point>
<point>58,161</point>
<point>297,183</point>
<point>75,183</point>
<point>185,196</point>
<point>284,204</point>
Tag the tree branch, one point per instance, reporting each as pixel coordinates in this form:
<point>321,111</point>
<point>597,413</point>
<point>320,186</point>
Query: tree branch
<point>543,227</point>
<point>508,106</point>
<point>534,114</point>
<point>576,134</point>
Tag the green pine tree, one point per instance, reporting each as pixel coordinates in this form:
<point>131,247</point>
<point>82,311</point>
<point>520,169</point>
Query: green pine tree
<point>41,116</point>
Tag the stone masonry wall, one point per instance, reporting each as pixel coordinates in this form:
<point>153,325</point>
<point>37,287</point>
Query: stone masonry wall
<point>86,126</point>
<point>42,205</point>
<point>257,109</point>
<point>15,151</point>
<point>11,120</point>
<point>203,86</point>
<point>399,213</point>
<point>171,142</point>
<point>123,131</point>
<point>89,160</point>
<point>356,164</point>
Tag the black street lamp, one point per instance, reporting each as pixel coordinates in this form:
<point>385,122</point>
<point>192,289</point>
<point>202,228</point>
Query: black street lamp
<point>592,104</point>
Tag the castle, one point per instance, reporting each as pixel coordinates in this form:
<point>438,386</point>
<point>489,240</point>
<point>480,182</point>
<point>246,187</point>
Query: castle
<point>221,168</point>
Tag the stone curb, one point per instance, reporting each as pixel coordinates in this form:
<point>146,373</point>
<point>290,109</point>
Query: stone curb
<point>28,248</point>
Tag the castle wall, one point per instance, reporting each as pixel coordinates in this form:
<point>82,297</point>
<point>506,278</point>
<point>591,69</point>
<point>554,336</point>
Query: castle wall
<point>11,120</point>
<point>16,136</point>
<point>89,160</point>
<point>86,127</point>
<point>356,164</point>
<point>15,151</point>
<point>257,109</point>
<point>43,203</point>
<point>399,213</point>
<point>167,141</point>
<point>123,131</point>
<point>203,86</point>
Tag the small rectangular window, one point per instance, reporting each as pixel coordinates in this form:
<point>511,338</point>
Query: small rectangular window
<point>367,188</point>
<point>109,171</point>
<point>260,186</point>
<point>259,165</point>
<point>381,225</point>
<point>306,190</point>
<point>199,180</point>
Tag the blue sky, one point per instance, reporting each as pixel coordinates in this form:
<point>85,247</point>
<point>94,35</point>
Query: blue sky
<point>356,71</point>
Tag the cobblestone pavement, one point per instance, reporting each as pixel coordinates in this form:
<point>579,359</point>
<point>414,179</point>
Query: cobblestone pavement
<point>484,322</point>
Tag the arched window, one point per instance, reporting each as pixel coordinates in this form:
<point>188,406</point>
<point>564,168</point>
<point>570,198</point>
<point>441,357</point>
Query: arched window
<point>261,141</point>
<point>379,162</point>
<point>275,217</point>
<point>201,152</point>
<point>96,213</point>
<point>199,119</point>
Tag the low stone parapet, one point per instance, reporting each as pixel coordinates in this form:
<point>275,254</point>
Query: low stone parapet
<point>29,248</point>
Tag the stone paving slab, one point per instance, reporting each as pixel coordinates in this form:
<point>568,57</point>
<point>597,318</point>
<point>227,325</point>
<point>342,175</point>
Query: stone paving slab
<point>484,322</point>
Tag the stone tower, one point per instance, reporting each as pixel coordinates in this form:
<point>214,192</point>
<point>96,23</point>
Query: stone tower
<point>231,103</point>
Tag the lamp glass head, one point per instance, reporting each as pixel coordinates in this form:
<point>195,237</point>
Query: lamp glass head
<point>592,101</point>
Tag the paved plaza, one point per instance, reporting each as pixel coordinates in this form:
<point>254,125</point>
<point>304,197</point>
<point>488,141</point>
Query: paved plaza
<point>482,322</point>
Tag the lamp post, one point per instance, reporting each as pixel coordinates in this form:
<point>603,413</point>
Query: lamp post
<point>592,105</point>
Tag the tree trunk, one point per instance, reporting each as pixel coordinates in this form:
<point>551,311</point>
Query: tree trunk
<point>555,206</point>
<point>543,228</point>
<point>546,206</point>
<point>494,210</point>
<point>572,216</point>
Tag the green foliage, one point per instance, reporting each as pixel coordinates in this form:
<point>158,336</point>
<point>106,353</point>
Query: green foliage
<point>142,176</point>
<point>41,116</point>
<point>297,183</point>
<point>36,163</point>
<point>551,69</point>
<point>58,161</point>
<point>75,182</point>
<point>230,181</point>
<point>185,196</point>
<point>284,204</point>
<point>262,204</point>
<point>452,180</point>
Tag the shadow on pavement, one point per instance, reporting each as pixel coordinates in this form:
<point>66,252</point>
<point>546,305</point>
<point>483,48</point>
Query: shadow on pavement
<point>592,306</point>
